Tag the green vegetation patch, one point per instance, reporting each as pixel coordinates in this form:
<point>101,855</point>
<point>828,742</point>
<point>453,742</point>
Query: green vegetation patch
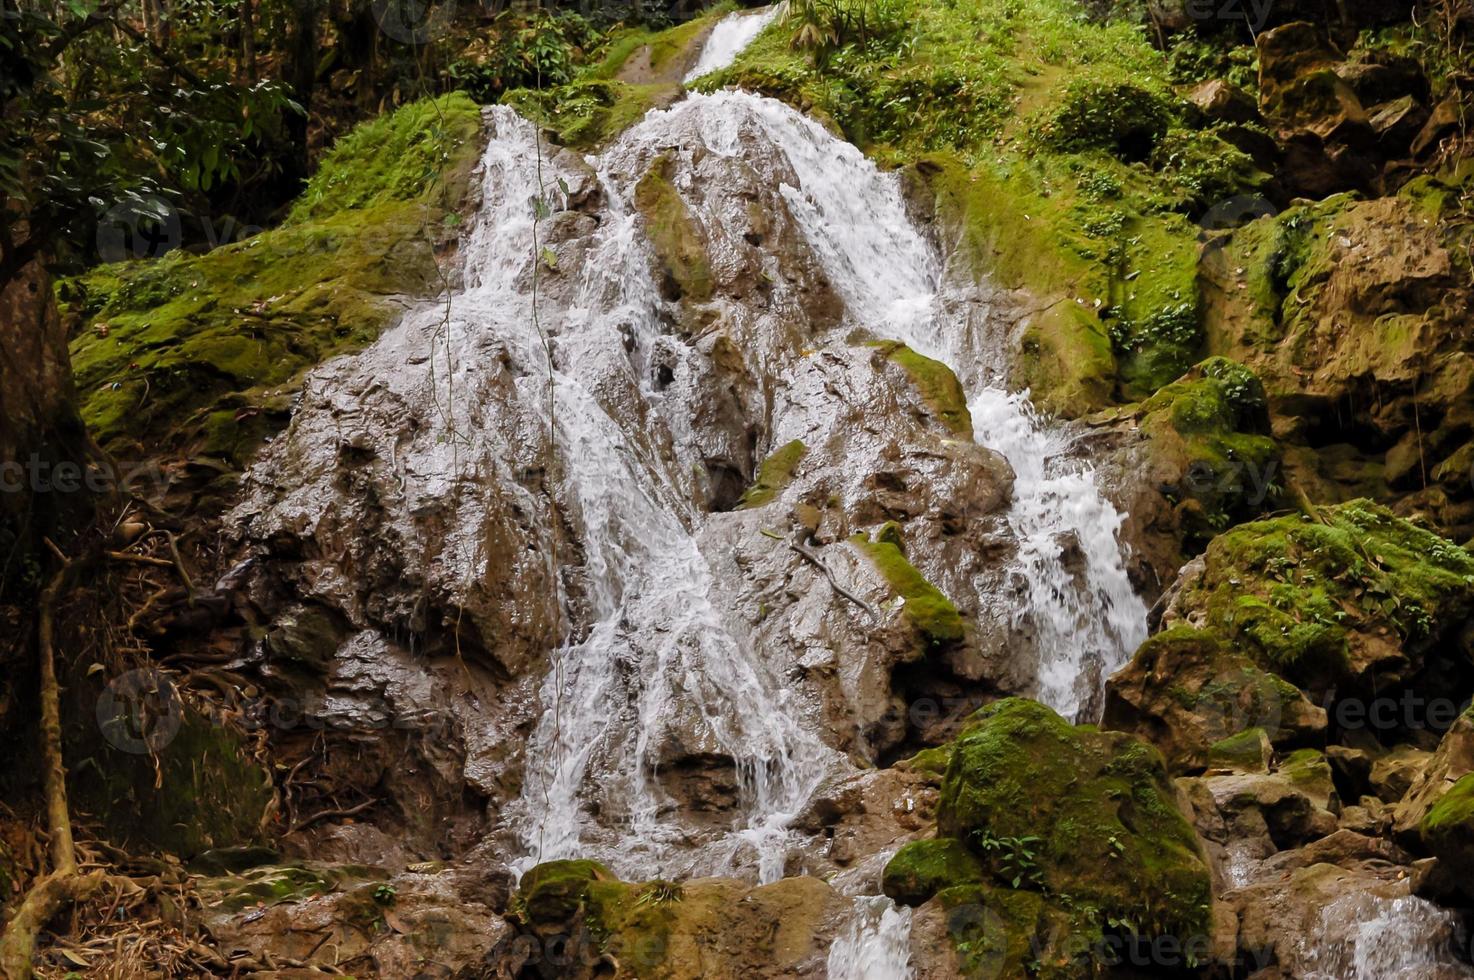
<point>403,156</point>
<point>674,233</point>
<point>931,613</point>
<point>554,891</point>
<point>197,352</point>
<point>774,475</point>
<point>587,113</point>
<point>1211,430</point>
<point>922,868</point>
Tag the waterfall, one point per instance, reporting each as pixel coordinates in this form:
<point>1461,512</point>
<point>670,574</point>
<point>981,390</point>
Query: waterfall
<point>727,39</point>
<point>654,642</point>
<point>1403,938</point>
<point>875,946</point>
<point>1080,606</point>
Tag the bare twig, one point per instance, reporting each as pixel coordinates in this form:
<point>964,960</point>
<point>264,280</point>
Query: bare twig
<point>797,544</point>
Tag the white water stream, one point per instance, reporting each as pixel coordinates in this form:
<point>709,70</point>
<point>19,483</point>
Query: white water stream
<point>655,643</point>
<point>1081,606</point>
<point>1405,938</point>
<point>727,39</point>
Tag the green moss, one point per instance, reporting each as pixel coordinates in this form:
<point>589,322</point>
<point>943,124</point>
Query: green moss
<point>1099,804</point>
<point>402,156</point>
<point>922,868</point>
<point>1292,593</point>
<point>195,352</point>
<point>674,233</point>
<point>1454,812</point>
<point>1309,770</point>
<point>587,113</point>
<point>1448,828</point>
<point>938,385</point>
<point>933,760</point>
<point>1205,170</point>
<point>1122,118</point>
<point>554,891</point>
<point>1211,429</point>
<point>774,475</point>
<point>1006,933</point>
<point>664,46</point>
<point>931,613</point>
<point>1245,751</point>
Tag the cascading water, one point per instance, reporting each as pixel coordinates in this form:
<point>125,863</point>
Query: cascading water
<point>876,946</point>
<point>1084,612</point>
<point>654,638</point>
<point>731,34</point>
<point>1405,938</point>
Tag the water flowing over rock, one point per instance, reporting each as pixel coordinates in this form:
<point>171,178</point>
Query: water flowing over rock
<point>709,288</point>
<point>727,39</point>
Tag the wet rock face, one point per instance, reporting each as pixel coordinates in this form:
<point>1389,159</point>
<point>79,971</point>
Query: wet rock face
<point>397,541</point>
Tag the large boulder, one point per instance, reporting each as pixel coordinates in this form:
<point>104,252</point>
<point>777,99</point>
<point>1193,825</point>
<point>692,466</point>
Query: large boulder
<point>1055,844</point>
<point>1099,803</point>
<point>578,921</point>
<point>1189,694</point>
<point>1352,601</point>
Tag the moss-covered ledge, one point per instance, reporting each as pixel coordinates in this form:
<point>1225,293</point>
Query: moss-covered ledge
<point>197,353</point>
<point>936,620</point>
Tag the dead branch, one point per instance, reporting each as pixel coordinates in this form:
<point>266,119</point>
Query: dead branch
<point>808,553</point>
<point>64,885</point>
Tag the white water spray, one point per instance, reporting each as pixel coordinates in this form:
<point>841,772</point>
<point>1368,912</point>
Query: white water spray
<point>1405,938</point>
<point>729,37</point>
<point>876,946</point>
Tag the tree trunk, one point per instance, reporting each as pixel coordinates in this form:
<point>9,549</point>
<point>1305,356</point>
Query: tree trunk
<point>301,74</point>
<point>248,41</point>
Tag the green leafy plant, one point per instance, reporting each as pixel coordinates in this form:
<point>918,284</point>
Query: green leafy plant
<point>1015,859</point>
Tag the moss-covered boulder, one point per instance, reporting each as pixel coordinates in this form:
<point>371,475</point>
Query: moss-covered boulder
<point>940,390</point>
<point>677,237</point>
<point>554,891</point>
<point>1077,812</point>
<point>707,927</point>
<point>1357,600</point>
<point>1190,694</point>
<point>922,868</point>
<point>774,475</point>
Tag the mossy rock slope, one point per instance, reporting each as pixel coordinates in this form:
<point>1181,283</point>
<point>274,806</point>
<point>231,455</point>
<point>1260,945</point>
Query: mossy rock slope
<point>199,352</point>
